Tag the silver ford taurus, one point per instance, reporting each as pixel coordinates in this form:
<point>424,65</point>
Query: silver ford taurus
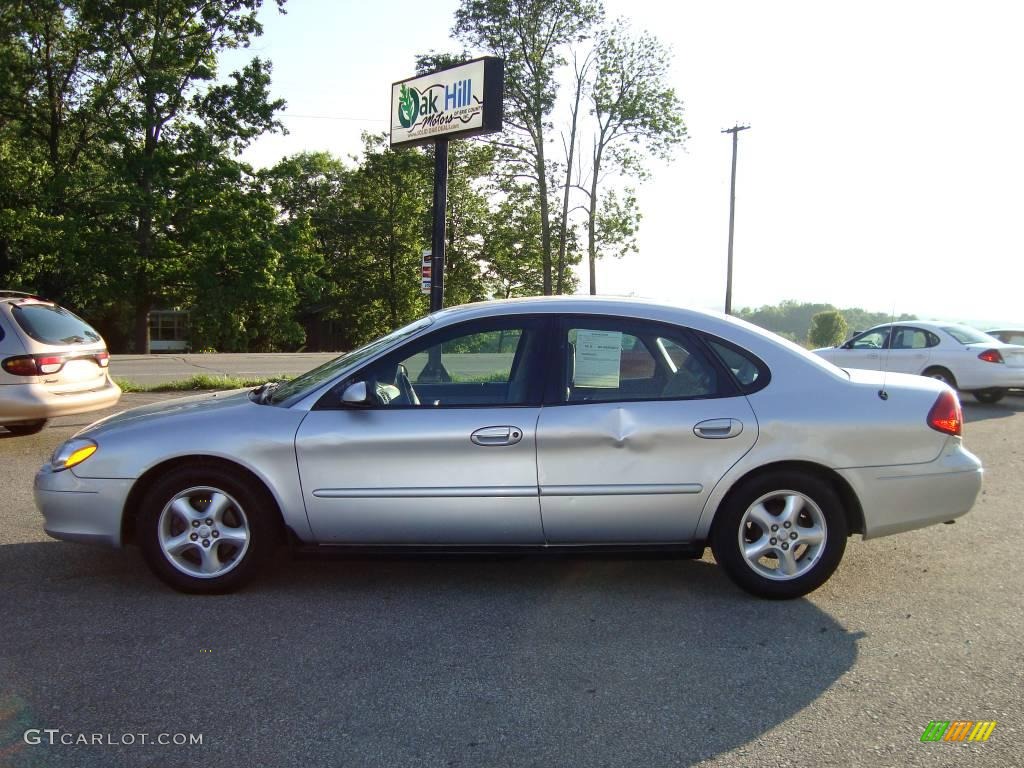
<point>553,424</point>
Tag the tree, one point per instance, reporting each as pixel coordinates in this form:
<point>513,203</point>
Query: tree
<point>828,329</point>
<point>530,35</point>
<point>638,116</point>
<point>169,53</point>
<point>57,99</point>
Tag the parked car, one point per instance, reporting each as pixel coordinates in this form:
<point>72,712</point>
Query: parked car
<point>1008,335</point>
<point>528,424</point>
<point>962,357</point>
<point>52,363</point>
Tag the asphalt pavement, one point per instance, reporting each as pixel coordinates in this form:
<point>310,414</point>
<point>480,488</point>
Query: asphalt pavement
<point>523,661</point>
<point>151,370</point>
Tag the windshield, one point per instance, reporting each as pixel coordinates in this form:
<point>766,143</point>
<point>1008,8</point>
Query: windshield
<point>54,325</point>
<point>310,380</point>
<point>966,335</point>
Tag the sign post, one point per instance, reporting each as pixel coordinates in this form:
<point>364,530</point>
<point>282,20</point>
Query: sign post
<point>452,103</point>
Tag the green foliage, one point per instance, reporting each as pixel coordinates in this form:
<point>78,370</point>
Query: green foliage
<point>828,329</point>
<point>199,382</point>
<point>533,37</point>
<point>117,155</point>
<point>792,319</point>
<point>638,117</point>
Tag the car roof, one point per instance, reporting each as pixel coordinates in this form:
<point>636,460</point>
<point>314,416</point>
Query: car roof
<point>572,304</point>
<point>20,297</point>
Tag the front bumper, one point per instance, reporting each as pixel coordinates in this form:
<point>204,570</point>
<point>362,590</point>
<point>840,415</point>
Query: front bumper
<point>904,497</point>
<point>29,402</point>
<point>81,509</point>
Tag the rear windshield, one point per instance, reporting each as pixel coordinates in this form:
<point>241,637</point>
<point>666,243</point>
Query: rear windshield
<point>54,325</point>
<point>968,335</point>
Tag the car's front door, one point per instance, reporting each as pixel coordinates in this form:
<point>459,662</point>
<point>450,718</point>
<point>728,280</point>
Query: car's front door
<point>642,425</point>
<point>863,351</point>
<point>444,449</point>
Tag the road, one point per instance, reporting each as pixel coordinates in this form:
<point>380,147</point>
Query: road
<point>151,370</point>
<point>519,661</point>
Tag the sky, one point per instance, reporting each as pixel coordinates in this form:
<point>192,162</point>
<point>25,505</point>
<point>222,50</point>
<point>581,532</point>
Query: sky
<point>882,167</point>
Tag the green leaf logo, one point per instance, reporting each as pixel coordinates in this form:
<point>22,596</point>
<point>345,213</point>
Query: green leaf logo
<point>408,107</point>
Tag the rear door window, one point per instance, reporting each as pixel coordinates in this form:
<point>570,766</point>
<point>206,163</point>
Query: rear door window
<point>49,324</point>
<point>619,359</point>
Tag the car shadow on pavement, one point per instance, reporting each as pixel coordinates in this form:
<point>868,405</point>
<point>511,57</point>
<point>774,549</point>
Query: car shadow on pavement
<point>1005,408</point>
<point>404,661</point>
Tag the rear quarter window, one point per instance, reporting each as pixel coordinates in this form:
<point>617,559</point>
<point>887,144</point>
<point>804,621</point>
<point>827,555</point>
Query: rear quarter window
<point>49,324</point>
<point>749,371</point>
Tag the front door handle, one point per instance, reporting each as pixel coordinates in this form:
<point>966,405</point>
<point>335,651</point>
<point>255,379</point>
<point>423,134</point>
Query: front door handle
<point>718,429</point>
<point>497,436</point>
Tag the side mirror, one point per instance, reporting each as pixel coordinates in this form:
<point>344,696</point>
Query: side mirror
<point>356,394</point>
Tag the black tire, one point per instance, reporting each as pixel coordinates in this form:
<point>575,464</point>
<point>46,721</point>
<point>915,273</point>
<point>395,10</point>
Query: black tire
<point>813,563</point>
<point>942,375</point>
<point>246,510</point>
<point>26,429</point>
<point>993,395</point>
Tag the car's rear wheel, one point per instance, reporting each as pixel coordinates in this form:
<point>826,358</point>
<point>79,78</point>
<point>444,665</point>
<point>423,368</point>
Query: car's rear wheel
<point>780,535</point>
<point>993,395</point>
<point>942,375</point>
<point>29,428</point>
<point>206,531</point>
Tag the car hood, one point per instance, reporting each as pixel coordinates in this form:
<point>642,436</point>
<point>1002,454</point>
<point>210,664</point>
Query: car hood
<point>205,402</point>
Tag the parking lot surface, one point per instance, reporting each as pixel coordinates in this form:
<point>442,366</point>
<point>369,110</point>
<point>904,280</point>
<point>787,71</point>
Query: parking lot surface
<point>517,661</point>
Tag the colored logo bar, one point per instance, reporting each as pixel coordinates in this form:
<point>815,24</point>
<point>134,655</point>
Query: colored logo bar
<point>958,730</point>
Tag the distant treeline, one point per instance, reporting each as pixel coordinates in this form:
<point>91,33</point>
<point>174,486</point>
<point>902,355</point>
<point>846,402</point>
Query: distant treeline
<point>792,319</point>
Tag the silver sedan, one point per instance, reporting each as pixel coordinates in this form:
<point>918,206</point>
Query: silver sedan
<point>545,424</point>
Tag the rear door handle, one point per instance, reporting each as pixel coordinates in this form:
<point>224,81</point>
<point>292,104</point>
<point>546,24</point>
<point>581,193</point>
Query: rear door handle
<point>497,436</point>
<point>718,429</point>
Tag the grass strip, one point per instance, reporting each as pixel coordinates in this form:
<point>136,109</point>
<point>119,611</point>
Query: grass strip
<point>202,381</point>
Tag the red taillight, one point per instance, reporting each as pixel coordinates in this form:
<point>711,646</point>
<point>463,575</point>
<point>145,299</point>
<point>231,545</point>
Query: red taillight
<point>33,365</point>
<point>991,356</point>
<point>946,416</point>
<point>103,359</point>
<point>25,365</point>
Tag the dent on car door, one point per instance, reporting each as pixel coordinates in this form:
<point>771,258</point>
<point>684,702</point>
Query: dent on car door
<point>444,452</point>
<point>641,425</point>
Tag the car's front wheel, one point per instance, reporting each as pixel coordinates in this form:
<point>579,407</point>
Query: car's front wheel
<point>780,535</point>
<point>206,531</point>
<point>993,395</point>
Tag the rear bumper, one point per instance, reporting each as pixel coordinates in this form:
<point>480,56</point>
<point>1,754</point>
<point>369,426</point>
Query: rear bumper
<point>28,402</point>
<point>81,509</point>
<point>904,497</point>
<point>992,376</point>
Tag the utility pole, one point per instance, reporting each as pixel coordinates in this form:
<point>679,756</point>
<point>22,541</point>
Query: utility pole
<point>735,131</point>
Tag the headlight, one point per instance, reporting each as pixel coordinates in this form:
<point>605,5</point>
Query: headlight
<point>73,452</point>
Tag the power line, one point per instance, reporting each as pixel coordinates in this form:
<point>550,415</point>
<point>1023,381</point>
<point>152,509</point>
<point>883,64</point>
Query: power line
<point>335,117</point>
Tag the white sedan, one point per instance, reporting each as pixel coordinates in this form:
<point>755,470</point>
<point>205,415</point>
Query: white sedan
<point>962,357</point>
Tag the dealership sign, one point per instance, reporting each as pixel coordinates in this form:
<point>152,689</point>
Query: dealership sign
<point>453,103</point>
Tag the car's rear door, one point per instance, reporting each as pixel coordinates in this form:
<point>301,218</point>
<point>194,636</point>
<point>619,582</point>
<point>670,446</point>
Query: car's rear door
<point>457,467</point>
<point>640,426</point>
<point>909,350</point>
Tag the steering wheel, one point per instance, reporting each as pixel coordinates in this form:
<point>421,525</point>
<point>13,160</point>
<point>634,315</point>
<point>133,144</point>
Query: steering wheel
<point>402,380</point>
